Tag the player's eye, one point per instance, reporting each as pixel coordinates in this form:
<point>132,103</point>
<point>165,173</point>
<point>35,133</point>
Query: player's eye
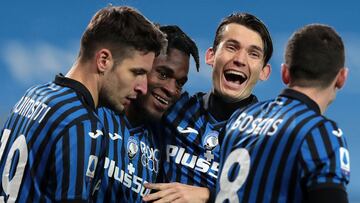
<point>162,75</point>
<point>139,71</point>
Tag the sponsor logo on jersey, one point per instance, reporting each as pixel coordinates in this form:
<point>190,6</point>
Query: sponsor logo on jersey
<point>199,163</point>
<point>150,157</point>
<point>96,135</point>
<point>344,160</point>
<point>115,136</point>
<point>99,133</point>
<point>132,147</point>
<point>338,132</point>
<point>211,140</point>
<point>127,178</point>
<point>187,130</point>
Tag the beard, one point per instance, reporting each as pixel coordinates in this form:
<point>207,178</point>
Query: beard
<point>108,102</point>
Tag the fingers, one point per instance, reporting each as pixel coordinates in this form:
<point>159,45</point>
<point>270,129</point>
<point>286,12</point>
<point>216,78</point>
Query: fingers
<point>169,198</point>
<point>164,191</point>
<point>176,192</point>
<point>157,186</point>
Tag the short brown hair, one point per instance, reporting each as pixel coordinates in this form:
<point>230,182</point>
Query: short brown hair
<point>314,55</point>
<point>121,29</point>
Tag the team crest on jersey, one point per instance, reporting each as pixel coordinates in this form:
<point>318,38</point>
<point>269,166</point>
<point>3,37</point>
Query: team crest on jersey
<point>211,140</point>
<point>132,147</point>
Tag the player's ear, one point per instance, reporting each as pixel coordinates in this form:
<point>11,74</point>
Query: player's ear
<point>285,74</point>
<point>104,60</point>
<point>341,77</point>
<point>209,56</point>
<point>265,72</point>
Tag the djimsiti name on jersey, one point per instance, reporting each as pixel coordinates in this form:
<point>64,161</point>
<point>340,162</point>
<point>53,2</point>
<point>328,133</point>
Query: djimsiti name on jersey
<point>31,109</point>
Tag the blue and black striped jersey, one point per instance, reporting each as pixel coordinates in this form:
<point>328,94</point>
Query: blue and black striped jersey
<point>191,136</point>
<point>51,148</point>
<point>279,150</point>
<point>132,160</point>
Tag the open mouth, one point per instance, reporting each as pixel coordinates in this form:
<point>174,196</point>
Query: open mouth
<point>235,76</point>
<point>161,100</point>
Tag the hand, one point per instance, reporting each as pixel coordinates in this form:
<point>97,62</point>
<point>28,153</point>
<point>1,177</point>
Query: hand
<point>176,192</point>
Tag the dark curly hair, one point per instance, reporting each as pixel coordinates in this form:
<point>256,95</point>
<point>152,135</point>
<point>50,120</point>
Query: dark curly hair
<point>177,39</point>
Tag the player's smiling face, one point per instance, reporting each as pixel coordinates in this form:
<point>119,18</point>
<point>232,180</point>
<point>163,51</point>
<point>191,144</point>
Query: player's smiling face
<point>238,62</point>
<point>165,81</point>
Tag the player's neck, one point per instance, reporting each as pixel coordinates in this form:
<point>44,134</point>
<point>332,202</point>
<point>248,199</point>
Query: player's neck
<point>85,74</point>
<point>132,114</point>
<point>222,109</point>
<point>323,97</point>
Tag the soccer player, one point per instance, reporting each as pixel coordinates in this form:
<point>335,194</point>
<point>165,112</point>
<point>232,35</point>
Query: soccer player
<point>285,150</point>
<point>239,57</point>
<point>53,143</point>
<point>134,151</point>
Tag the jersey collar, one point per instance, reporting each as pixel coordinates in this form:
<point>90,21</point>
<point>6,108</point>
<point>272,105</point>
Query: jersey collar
<point>222,110</point>
<point>291,93</point>
<point>79,88</point>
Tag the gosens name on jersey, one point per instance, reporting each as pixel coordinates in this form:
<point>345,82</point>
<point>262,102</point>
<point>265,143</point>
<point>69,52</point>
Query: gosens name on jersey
<point>276,151</point>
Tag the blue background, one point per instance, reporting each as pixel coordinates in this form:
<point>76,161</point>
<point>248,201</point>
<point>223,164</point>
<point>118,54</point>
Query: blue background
<point>41,38</point>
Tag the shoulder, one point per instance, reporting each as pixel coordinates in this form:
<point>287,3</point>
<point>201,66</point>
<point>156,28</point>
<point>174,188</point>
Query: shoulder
<point>72,113</point>
<point>327,138</point>
<point>187,99</point>
<point>186,103</point>
<point>327,131</point>
<point>323,125</point>
<point>61,105</point>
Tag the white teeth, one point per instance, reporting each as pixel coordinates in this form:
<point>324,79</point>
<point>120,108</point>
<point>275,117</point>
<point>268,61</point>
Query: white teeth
<point>162,100</point>
<point>235,73</point>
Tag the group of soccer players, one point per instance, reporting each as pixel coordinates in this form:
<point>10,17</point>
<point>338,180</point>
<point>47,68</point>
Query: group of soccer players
<point>119,128</point>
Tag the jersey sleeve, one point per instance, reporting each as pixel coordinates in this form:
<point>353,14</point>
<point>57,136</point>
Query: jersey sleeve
<point>78,161</point>
<point>325,160</point>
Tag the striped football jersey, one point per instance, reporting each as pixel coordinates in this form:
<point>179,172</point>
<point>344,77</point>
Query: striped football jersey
<point>133,159</point>
<point>278,150</point>
<point>192,147</point>
<point>51,145</point>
